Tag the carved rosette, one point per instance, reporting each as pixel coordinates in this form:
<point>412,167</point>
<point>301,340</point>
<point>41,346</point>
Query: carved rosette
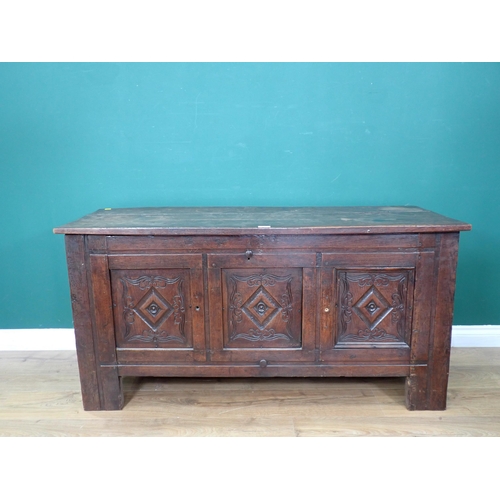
<point>261,308</point>
<point>373,307</point>
<point>153,310</point>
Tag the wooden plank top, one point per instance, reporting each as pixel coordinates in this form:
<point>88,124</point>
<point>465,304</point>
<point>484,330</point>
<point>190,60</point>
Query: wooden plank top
<point>261,220</point>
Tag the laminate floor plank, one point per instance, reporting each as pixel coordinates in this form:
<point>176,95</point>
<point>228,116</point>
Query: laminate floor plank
<point>399,426</point>
<point>40,396</point>
<point>152,427</point>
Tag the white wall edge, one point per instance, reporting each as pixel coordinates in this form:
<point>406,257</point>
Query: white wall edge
<point>63,339</point>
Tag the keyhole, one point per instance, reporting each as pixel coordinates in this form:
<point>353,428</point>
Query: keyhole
<point>197,308</point>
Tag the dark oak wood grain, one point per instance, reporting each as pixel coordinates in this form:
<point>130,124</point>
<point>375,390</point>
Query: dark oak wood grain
<point>265,220</point>
<point>263,292</point>
<point>82,321</point>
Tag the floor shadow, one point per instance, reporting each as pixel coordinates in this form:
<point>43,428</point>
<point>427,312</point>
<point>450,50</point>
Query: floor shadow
<point>393,388</point>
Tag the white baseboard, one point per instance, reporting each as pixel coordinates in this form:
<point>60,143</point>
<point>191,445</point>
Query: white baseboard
<point>38,339</point>
<point>63,339</point>
<point>475,336</point>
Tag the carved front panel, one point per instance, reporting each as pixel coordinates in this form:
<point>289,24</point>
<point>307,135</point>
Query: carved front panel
<point>263,308</point>
<point>374,308</point>
<point>152,308</point>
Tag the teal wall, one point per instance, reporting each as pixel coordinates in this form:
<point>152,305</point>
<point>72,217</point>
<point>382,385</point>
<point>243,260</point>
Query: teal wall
<point>78,137</point>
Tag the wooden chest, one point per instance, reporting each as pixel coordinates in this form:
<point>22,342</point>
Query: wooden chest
<point>263,292</point>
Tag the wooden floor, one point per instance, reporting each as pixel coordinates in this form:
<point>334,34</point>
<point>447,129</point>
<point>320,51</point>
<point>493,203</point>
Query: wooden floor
<point>40,396</point>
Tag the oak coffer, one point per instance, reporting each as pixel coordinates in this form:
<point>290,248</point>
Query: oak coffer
<point>263,292</point>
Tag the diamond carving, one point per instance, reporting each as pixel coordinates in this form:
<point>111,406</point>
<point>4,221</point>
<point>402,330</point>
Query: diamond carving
<point>261,307</point>
<point>372,307</point>
<point>158,302</point>
<point>153,309</point>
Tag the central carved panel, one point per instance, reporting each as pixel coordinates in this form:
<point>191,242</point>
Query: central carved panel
<point>264,307</point>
